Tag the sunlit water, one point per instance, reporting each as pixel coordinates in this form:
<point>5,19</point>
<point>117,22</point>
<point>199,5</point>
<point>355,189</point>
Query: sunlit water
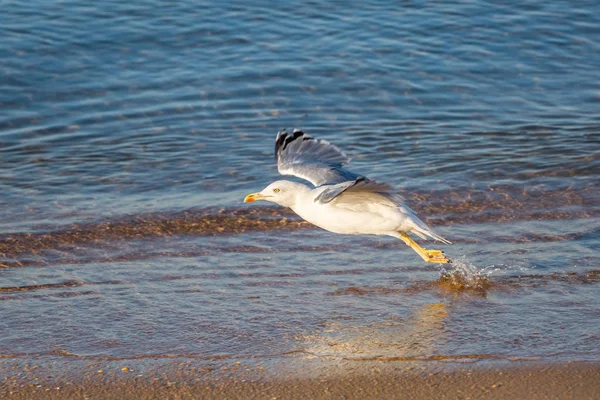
<point>131,132</point>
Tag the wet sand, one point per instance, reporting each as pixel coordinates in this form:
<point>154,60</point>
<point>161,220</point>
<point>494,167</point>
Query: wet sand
<point>521,380</point>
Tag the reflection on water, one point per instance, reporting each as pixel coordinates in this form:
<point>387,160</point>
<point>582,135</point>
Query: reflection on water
<point>411,338</point>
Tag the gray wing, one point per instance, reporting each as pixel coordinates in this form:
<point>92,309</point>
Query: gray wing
<point>358,189</point>
<point>364,195</point>
<point>317,161</point>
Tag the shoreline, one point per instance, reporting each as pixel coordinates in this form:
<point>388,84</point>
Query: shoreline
<point>495,380</point>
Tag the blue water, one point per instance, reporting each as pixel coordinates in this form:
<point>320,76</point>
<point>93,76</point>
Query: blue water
<point>130,133</point>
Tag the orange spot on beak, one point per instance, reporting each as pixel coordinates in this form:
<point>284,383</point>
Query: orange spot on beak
<point>251,197</point>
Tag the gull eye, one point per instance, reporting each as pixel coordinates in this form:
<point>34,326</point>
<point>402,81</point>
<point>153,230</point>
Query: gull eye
<point>276,190</point>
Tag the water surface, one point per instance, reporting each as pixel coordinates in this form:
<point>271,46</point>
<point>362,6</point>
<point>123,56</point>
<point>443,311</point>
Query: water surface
<point>130,134</point>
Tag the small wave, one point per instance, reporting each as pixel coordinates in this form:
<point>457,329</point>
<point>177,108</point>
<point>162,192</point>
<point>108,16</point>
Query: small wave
<point>20,249</point>
<point>500,205</point>
<point>464,277</point>
<point>42,286</point>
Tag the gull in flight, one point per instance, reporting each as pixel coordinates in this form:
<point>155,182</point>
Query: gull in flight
<point>341,201</point>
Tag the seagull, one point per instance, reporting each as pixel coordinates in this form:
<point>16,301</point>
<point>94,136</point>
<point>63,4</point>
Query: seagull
<point>341,201</point>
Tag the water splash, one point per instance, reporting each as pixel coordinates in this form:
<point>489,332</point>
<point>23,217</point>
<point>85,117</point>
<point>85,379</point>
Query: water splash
<point>463,275</point>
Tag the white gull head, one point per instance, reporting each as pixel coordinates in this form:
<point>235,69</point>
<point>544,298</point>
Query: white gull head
<point>284,193</point>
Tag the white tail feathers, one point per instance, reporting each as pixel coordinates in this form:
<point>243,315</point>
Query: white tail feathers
<point>437,237</point>
<point>421,229</point>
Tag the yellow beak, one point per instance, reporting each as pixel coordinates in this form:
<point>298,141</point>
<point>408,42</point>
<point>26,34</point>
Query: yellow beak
<point>253,197</point>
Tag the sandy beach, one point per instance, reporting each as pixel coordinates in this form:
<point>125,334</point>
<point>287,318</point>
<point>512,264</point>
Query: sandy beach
<point>570,380</point>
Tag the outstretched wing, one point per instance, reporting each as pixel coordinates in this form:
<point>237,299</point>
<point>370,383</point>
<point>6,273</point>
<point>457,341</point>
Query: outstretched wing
<point>317,161</point>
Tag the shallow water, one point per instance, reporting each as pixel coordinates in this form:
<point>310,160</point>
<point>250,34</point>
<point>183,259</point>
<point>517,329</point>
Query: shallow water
<point>131,133</point>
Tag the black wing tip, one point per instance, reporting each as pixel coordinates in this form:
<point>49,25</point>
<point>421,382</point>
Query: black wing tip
<point>284,139</point>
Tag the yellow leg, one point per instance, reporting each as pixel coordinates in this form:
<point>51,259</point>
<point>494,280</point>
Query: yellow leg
<point>435,256</point>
